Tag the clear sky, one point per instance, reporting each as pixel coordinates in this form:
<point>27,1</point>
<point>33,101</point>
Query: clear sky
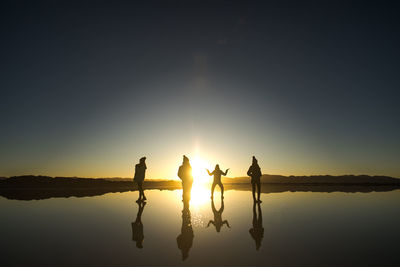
<point>88,88</point>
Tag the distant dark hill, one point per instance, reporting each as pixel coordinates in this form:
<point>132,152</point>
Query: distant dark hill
<point>31,187</point>
<point>41,187</point>
<point>320,179</point>
<point>30,181</point>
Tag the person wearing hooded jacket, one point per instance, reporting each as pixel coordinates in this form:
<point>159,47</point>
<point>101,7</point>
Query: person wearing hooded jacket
<point>255,173</point>
<point>185,174</point>
<point>140,171</point>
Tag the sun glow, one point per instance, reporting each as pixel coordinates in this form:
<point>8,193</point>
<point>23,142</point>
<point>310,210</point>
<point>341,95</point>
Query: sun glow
<point>200,175</point>
<point>201,180</point>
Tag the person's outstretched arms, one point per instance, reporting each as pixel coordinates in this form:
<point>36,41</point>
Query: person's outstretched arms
<point>225,173</point>
<point>210,173</point>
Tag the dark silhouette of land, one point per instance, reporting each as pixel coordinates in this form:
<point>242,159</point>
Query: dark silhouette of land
<point>31,187</point>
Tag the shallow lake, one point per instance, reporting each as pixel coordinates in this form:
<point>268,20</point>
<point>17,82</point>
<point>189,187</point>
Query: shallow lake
<point>289,229</point>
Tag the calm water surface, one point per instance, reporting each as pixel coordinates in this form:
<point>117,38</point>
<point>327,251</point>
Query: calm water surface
<point>295,229</point>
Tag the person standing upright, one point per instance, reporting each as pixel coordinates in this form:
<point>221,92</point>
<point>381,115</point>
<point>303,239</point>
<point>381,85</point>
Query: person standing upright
<point>185,174</point>
<point>140,171</point>
<point>255,173</point>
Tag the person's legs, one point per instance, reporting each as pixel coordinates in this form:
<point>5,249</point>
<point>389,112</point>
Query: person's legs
<point>143,196</point>
<point>222,189</point>
<point>258,191</point>
<point>189,191</point>
<point>212,189</point>
<point>253,189</point>
<point>140,190</point>
<point>187,188</point>
<point>184,191</point>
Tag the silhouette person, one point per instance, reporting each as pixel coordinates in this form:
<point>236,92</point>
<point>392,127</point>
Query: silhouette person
<point>185,239</point>
<point>255,173</point>
<point>218,222</point>
<point>185,174</point>
<point>257,232</point>
<point>140,170</point>
<point>217,180</point>
<point>137,226</point>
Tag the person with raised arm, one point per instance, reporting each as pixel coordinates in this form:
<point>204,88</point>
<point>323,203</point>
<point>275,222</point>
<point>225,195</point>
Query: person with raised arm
<point>217,180</point>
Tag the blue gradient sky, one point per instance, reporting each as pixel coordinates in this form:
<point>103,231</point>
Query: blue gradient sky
<point>309,88</point>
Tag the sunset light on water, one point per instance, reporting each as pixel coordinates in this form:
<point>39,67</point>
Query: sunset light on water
<point>200,133</point>
<point>200,195</point>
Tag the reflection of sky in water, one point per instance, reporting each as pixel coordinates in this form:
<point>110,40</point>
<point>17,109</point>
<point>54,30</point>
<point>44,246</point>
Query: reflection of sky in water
<point>299,229</point>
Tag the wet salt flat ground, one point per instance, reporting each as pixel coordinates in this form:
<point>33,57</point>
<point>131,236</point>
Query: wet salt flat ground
<point>299,229</point>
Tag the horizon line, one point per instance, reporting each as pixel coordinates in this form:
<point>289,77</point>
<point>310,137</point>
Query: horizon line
<point>177,179</point>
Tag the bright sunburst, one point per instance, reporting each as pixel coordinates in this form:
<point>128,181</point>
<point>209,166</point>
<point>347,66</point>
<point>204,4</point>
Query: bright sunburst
<point>200,175</point>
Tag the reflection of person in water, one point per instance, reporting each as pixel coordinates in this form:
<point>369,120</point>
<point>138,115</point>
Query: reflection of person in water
<point>185,239</point>
<point>217,179</point>
<point>255,173</point>
<point>257,232</point>
<point>185,174</point>
<point>140,170</point>
<point>218,222</point>
<point>137,226</point>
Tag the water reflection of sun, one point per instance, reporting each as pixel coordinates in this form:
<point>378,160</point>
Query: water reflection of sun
<point>200,195</point>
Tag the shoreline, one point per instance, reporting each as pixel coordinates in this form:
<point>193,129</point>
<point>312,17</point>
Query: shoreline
<point>42,187</point>
<point>41,193</point>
